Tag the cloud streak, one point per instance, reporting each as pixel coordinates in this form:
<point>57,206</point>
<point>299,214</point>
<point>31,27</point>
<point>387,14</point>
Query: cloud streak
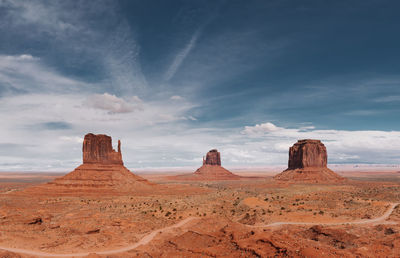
<point>181,56</point>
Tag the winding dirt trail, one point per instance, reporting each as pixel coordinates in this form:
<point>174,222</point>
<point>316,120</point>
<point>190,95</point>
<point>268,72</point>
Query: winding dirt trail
<point>146,239</point>
<point>380,219</point>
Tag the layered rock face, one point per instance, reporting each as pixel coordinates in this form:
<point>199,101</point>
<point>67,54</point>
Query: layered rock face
<point>98,149</point>
<point>211,169</point>
<point>308,163</point>
<point>308,153</point>
<point>102,171</point>
<point>213,157</point>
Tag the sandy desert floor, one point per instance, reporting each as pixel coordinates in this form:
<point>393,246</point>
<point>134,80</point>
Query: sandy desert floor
<point>251,217</point>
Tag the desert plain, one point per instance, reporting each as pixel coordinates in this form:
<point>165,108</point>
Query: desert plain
<point>252,217</point>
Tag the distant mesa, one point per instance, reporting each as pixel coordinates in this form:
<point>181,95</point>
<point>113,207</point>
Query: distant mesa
<point>308,161</point>
<point>211,169</point>
<point>102,171</point>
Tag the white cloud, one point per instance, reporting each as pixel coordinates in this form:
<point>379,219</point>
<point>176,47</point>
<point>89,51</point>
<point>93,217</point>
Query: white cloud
<point>113,104</point>
<point>176,97</point>
<point>261,128</point>
<point>74,139</point>
<point>20,57</point>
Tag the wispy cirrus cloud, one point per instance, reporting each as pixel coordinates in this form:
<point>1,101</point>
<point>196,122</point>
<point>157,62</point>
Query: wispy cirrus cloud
<point>46,16</point>
<point>69,26</point>
<point>180,57</point>
<point>25,73</point>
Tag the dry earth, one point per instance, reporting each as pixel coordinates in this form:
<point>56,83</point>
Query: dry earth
<point>250,217</point>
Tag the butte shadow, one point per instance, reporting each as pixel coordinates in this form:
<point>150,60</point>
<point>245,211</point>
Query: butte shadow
<point>308,163</point>
<point>102,171</point>
<point>210,171</point>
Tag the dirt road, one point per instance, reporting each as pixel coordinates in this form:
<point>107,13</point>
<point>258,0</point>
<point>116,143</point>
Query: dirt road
<point>380,219</point>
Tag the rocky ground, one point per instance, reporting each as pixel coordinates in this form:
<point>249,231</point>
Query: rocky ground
<point>226,219</point>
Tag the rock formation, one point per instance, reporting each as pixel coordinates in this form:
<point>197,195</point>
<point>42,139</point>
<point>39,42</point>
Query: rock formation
<point>308,161</point>
<point>211,169</point>
<point>307,153</point>
<point>97,149</point>
<point>102,170</point>
<point>213,157</point>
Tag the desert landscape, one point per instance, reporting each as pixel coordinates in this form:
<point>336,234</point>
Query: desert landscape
<point>101,209</point>
<point>199,128</point>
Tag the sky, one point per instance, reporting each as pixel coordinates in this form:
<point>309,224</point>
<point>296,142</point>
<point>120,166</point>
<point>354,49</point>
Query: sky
<point>174,79</point>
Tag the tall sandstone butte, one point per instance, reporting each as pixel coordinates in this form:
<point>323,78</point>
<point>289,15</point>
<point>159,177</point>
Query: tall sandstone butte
<point>213,157</point>
<point>308,161</point>
<point>308,153</point>
<point>98,149</point>
<point>102,171</point>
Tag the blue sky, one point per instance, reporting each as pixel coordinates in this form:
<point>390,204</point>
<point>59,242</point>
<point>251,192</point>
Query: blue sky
<point>173,79</point>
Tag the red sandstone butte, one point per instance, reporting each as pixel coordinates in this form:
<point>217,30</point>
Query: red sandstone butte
<point>211,169</point>
<point>102,171</point>
<point>308,161</point>
<point>213,157</point>
<point>97,149</point>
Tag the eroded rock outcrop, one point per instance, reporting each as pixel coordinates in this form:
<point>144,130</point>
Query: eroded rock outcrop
<point>308,163</point>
